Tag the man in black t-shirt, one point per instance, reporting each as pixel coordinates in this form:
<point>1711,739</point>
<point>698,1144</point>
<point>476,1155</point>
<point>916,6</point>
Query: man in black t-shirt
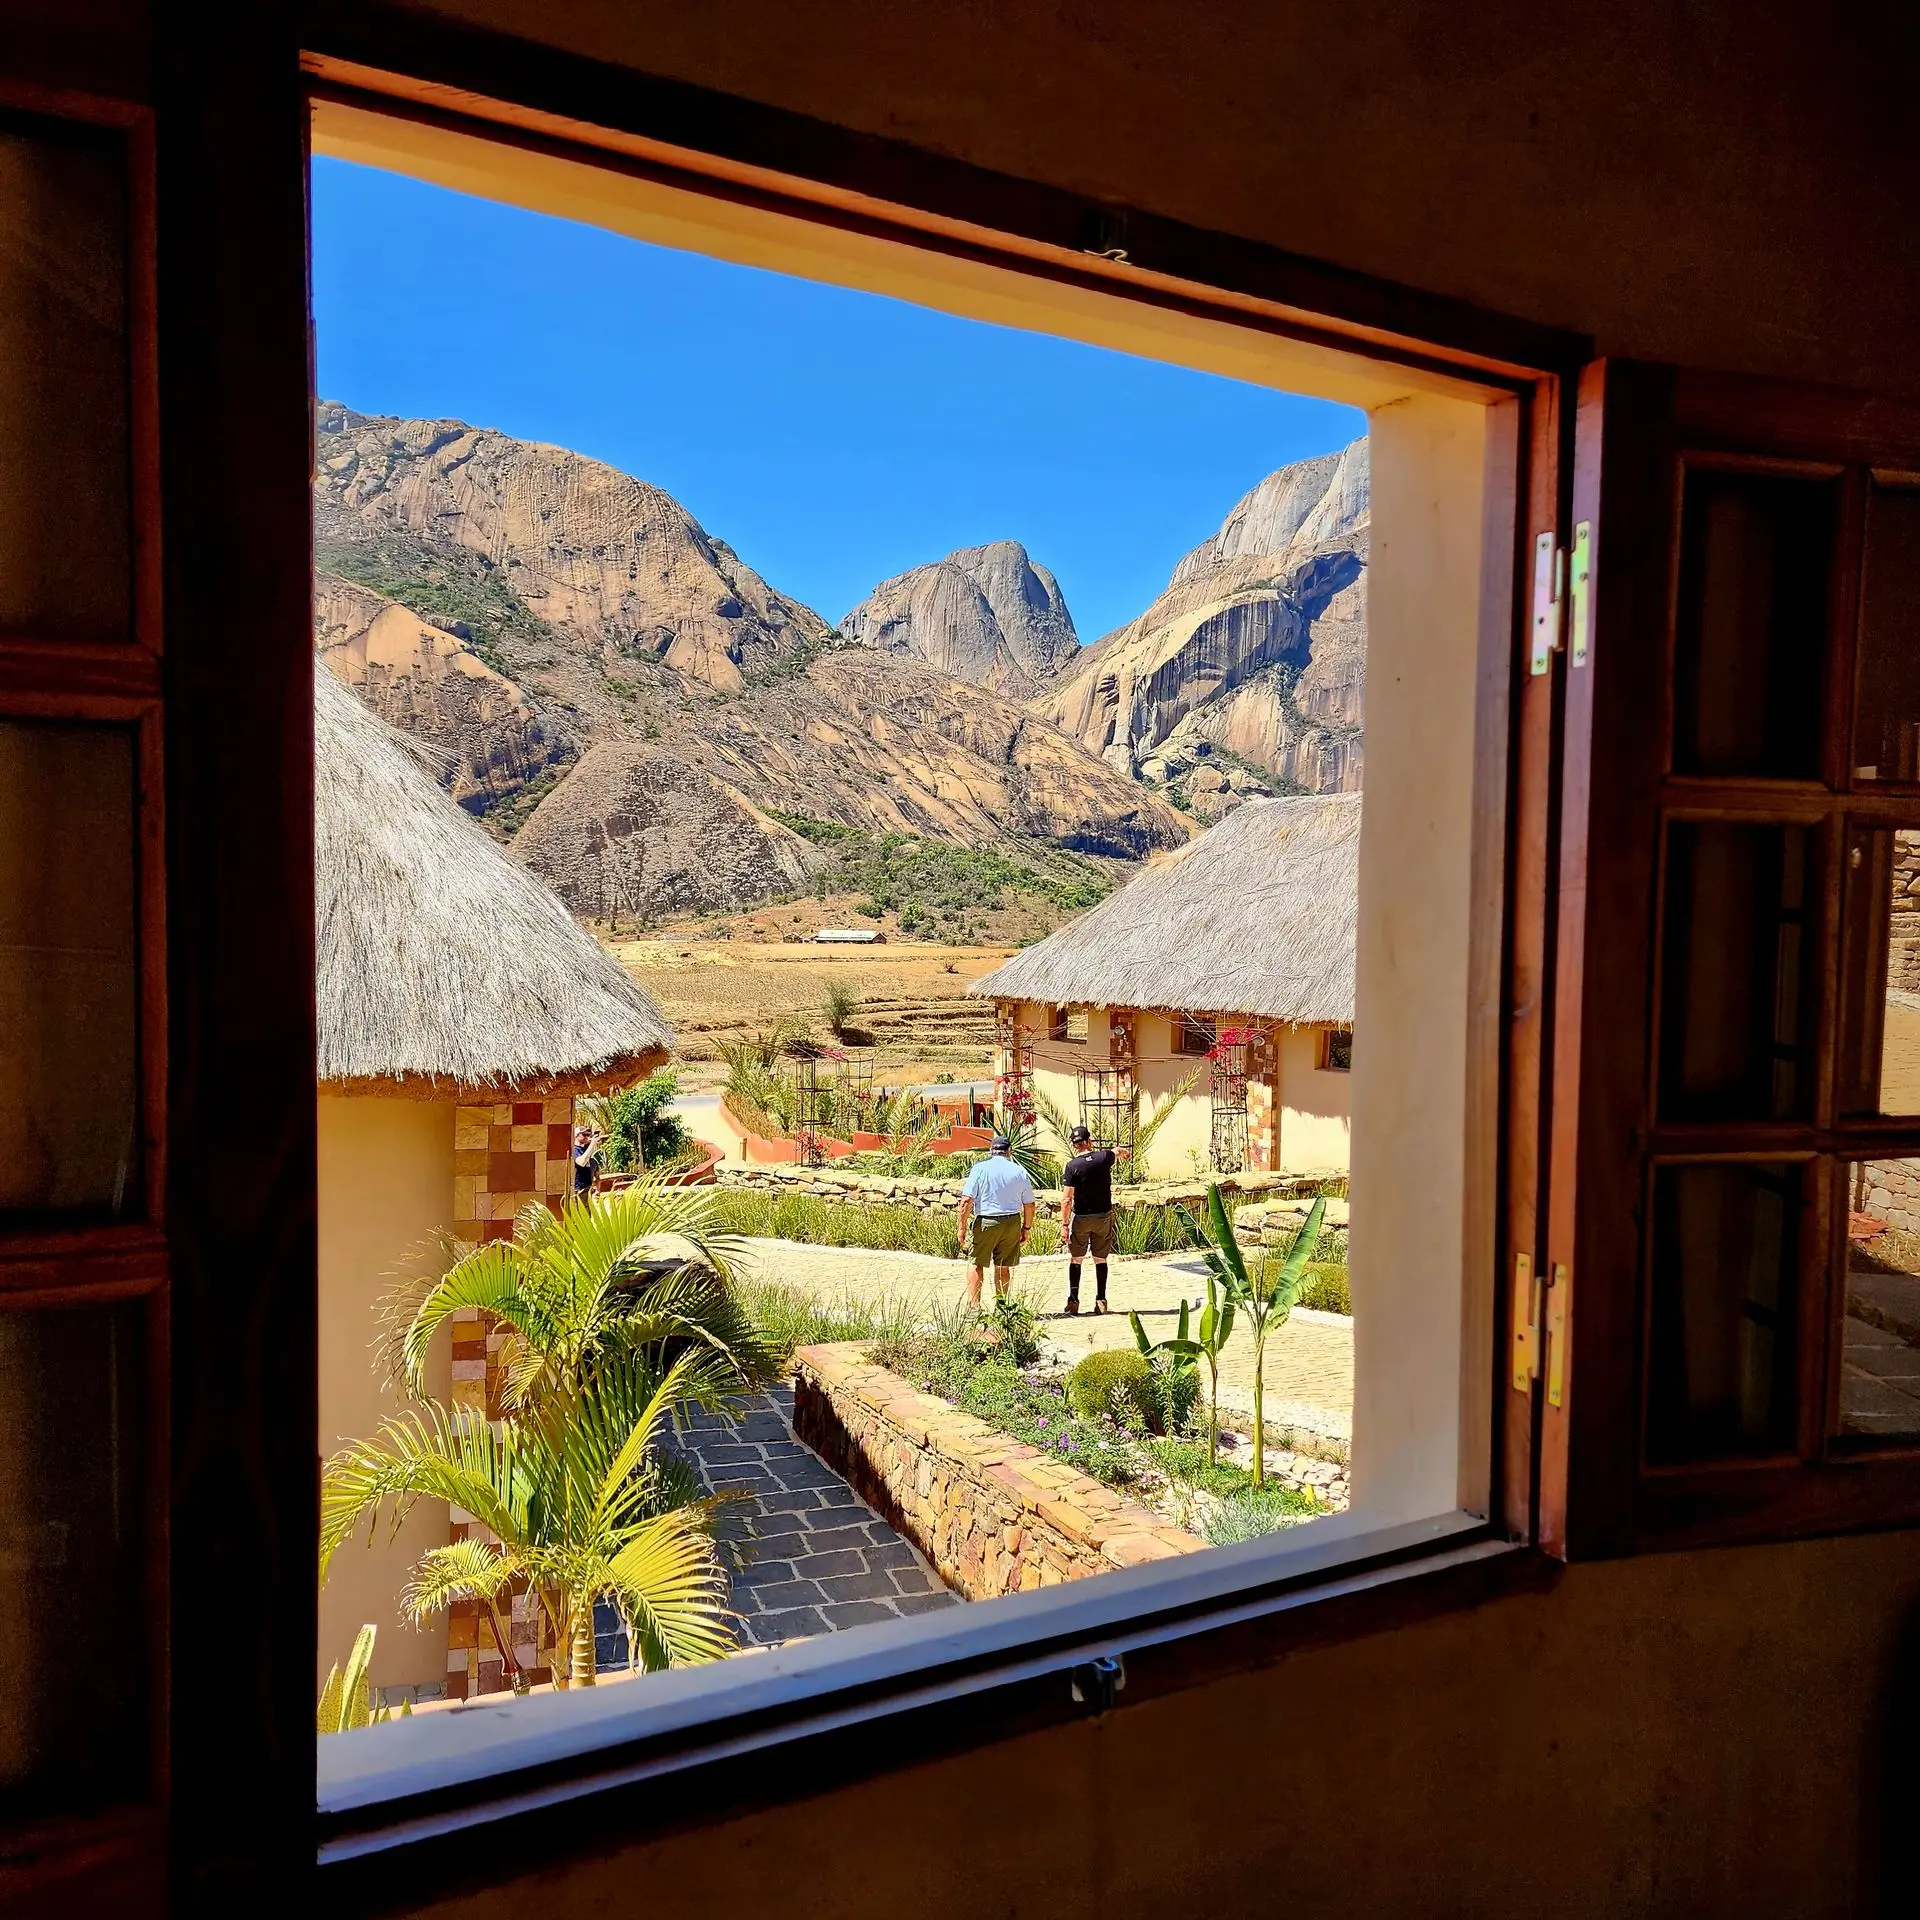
<point>1086,1216</point>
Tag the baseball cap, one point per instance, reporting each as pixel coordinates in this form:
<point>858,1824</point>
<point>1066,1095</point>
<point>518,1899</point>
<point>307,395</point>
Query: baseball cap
<point>1079,1137</point>
<point>1001,1143</point>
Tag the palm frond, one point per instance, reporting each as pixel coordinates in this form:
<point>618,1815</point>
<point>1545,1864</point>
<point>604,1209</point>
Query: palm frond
<point>469,1569</point>
<point>486,1277</point>
<point>673,1590</point>
<point>456,1457</point>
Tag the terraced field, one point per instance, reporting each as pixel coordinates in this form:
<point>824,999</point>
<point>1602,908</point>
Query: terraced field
<point>911,997</point>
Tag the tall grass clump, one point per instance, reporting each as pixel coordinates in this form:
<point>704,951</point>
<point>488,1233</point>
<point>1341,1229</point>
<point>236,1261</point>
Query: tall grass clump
<point>828,1223</point>
<point>1253,1512</point>
<point>789,1317</point>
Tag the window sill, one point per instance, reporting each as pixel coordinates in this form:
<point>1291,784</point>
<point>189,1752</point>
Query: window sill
<point>392,1798</point>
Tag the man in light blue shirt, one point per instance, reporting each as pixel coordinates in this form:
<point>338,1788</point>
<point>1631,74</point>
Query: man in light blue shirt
<point>997,1201</point>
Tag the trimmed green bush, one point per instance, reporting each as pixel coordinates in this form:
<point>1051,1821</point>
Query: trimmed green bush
<point>1325,1287</point>
<point>1119,1383</point>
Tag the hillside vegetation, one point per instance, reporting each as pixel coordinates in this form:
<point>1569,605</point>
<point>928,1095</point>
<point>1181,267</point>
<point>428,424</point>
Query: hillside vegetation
<point>936,887</point>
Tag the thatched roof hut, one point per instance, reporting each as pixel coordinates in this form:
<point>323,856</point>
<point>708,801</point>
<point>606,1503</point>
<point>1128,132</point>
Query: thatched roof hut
<point>442,965</point>
<point>1256,917</point>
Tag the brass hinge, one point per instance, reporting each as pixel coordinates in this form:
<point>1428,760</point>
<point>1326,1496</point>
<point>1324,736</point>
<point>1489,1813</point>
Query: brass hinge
<point>1526,1323</point>
<point>1557,1332</point>
<point>1580,591</point>
<point>1548,561</point>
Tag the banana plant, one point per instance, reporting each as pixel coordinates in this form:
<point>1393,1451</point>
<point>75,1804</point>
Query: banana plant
<point>1175,1380</point>
<point>1207,1342</point>
<point>1265,1299</point>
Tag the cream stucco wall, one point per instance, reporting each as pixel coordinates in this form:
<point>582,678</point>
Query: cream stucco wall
<point>1315,1110</point>
<point>1314,1117</point>
<point>385,1189</point>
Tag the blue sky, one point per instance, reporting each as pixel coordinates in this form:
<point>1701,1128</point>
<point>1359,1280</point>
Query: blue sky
<point>831,438</point>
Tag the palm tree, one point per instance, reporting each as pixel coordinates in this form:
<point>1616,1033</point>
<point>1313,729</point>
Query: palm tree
<point>635,1270</point>
<point>579,1505</point>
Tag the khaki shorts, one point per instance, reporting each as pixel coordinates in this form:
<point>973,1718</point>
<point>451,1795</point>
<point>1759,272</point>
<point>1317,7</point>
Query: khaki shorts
<point>1092,1233</point>
<point>996,1243</point>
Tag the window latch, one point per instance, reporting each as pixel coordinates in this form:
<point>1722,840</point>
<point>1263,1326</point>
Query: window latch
<point>1549,562</point>
<point>1097,1683</point>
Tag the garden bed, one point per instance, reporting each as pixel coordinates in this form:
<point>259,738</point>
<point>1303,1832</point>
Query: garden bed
<point>992,1514</point>
<point>915,1417</point>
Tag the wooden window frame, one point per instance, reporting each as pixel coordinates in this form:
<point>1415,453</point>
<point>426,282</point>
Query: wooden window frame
<point>553,105</point>
<point>57,1266</point>
<point>1642,430</point>
<point>1324,1062</point>
<point>230,1265</point>
<point>1189,1027</point>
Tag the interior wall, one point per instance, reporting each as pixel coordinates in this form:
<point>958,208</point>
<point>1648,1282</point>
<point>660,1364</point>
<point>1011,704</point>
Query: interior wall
<point>1686,1735</point>
<point>1717,185</point>
<point>385,1191</point>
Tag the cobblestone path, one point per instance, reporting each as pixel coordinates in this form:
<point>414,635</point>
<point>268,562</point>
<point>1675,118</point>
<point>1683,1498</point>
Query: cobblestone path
<point>810,1555</point>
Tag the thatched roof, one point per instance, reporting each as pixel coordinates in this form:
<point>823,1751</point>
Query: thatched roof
<point>1257,916</point>
<point>442,964</point>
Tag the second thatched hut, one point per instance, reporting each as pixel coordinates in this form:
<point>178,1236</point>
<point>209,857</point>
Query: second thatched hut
<point>1219,983</point>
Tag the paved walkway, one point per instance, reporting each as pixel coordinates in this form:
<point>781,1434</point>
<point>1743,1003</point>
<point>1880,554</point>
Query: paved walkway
<point>809,1555</point>
<point>1309,1365</point>
<point>1880,1354</point>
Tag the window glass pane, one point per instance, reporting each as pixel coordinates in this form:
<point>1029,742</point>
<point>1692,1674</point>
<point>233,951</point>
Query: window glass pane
<point>1880,1335</point>
<point>1736,1001</point>
<point>73,1606</point>
<point>1724,1260</point>
<point>69,970</point>
<point>64,502</point>
<point>1886,740</point>
<point>1880,1060</point>
<point>1756,553</point>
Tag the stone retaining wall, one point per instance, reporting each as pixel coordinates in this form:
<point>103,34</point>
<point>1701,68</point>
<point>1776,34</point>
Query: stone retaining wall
<point>941,1197</point>
<point>1889,1190</point>
<point>993,1515</point>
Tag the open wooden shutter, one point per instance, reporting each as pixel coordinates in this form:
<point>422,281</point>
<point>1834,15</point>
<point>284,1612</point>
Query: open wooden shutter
<point>1738,780</point>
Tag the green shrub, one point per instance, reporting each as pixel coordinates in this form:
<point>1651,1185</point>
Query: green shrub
<point>1036,1412</point>
<point>1254,1511</point>
<point>1118,1383</point>
<point>636,1127</point>
<point>1325,1287</point>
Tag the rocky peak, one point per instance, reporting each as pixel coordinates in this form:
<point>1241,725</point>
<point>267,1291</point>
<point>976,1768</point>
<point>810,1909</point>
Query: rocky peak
<point>987,615</point>
<point>1257,646</point>
<point>615,564</point>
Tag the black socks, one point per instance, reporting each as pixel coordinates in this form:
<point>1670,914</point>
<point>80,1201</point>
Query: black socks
<point>1099,1279</point>
<point>1073,1279</point>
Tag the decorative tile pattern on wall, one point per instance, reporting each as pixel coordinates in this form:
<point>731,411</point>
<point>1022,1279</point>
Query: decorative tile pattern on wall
<point>504,1156</point>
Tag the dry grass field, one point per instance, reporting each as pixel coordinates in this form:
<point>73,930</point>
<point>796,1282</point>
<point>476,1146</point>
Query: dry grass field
<point>911,996</point>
